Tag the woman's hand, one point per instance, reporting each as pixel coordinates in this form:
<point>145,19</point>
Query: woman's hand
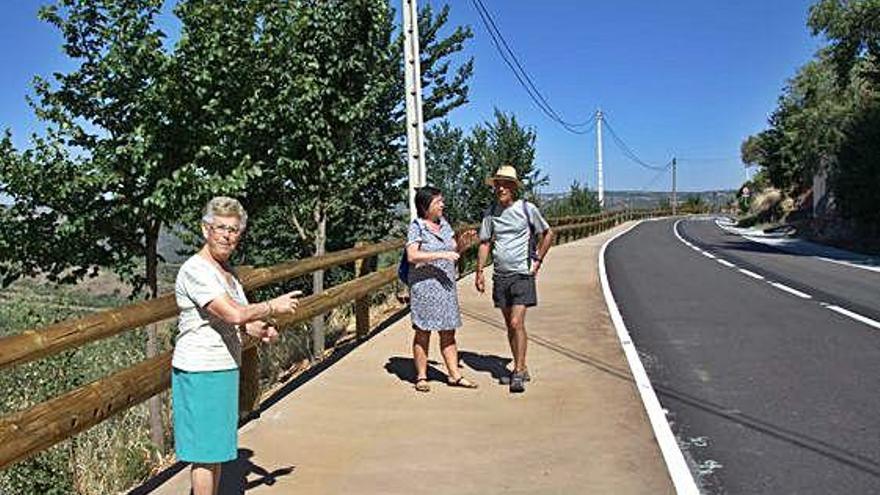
<point>270,334</point>
<point>286,303</point>
<point>263,330</point>
<point>465,239</point>
<point>448,255</point>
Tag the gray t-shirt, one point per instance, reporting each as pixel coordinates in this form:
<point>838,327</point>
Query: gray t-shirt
<point>509,227</point>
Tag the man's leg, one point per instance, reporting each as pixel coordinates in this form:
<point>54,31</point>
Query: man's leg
<point>516,334</point>
<point>507,312</point>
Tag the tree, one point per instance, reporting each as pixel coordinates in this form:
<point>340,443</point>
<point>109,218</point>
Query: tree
<point>446,161</point>
<point>695,204</point>
<point>805,129</point>
<point>856,178</point>
<point>582,201</point>
<point>579,201</point>
<point>853,29</point>
<point>493,144</point>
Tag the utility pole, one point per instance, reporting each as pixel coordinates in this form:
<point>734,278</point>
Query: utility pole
<point>415,130</point>
<point>674,196</point>
<point>601,180</point>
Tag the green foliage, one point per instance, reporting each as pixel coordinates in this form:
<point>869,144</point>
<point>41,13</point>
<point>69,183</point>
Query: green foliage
<point>447,164</point>
<point>44,473</point>
<point>853,29</point>
<point>856,179</point>
<point>695,204</point>
<point>580,201</point>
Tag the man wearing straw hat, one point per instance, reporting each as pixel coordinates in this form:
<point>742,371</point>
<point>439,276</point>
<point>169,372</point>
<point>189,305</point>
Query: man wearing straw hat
<point>510,227</point>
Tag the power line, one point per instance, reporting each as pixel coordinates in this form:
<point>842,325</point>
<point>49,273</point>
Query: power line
<point>627,151</point>
<point>525,73</point>
<point>522,75</point>
<point>657,176</point>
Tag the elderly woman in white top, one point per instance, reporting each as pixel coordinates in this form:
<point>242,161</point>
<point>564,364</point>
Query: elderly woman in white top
<point>207,352</point>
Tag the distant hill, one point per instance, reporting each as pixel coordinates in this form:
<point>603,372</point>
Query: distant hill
<point>651,199</point>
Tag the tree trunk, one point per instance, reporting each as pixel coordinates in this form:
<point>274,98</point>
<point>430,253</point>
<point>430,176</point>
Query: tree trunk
<point>157,433</point>
<point>318,282</point>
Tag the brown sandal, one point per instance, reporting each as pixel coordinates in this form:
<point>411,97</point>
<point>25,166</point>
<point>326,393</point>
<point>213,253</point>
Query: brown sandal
<point>422,385</point>
<point>462,382</point>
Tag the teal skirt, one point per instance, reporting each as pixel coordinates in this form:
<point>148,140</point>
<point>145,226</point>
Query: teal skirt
<point>205,408</point>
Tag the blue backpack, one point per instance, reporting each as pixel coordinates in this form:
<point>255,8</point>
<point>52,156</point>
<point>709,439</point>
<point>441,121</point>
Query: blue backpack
<point>403,267</point>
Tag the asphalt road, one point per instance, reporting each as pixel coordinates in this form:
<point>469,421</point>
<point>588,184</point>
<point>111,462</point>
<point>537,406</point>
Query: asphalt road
<point>768,391</point>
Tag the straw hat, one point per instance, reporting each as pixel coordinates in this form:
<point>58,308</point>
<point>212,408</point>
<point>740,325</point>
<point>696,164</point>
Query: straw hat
<point>505,172</point>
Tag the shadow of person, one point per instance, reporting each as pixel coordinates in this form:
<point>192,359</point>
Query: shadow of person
<point>234,474</point>
<point>494,365</point>
<point>404,369</point>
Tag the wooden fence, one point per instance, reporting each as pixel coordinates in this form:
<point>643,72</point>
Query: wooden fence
<point>29,431</point>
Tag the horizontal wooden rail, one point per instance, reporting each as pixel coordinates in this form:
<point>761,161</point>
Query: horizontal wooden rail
<point>32,430</point>
<point>31,345</point>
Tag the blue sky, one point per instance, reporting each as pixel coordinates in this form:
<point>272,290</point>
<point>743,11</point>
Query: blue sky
<point>689,79</point>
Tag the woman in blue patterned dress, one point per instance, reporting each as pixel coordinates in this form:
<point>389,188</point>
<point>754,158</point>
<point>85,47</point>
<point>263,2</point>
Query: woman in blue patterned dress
<point>431,250</point>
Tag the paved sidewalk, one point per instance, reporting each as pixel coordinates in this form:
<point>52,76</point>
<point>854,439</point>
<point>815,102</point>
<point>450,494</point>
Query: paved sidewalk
<point>360,428</point>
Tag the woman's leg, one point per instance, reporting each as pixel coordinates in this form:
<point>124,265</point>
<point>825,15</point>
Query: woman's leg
<point>449,349</point>
<point>420,353</point>
<point>217,472</point>
<point>450,354</point>
<point>205,478</point>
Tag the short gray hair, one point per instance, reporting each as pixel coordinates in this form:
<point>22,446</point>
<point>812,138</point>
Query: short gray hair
<point>223,206</point>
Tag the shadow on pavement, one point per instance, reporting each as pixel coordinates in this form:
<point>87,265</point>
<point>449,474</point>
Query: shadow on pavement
<point>486,363</point>
<point>404,369</point>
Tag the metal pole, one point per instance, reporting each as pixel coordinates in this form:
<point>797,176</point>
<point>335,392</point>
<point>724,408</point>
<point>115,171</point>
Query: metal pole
<point>674,196</point>
<point>601,180</point>
<point>415,136</point>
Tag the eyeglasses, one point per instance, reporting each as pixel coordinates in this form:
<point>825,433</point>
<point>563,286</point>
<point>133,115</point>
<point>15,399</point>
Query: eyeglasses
<point>233,231</point>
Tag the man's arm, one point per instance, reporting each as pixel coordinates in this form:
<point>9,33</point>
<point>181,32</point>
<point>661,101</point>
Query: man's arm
<point>482,257</point>
<point>543,247</point>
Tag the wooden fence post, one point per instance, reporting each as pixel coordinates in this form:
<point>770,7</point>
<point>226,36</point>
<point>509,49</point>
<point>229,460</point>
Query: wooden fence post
<point>362,305</point>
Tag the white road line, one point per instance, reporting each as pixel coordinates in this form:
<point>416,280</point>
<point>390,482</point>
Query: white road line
<point>802,295</point>
<point>726,263</point>
<point>672,455</point>
<point>851,264</point>
<point>750,274</point>
<point>855,316</point>
<point>709,255</point>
